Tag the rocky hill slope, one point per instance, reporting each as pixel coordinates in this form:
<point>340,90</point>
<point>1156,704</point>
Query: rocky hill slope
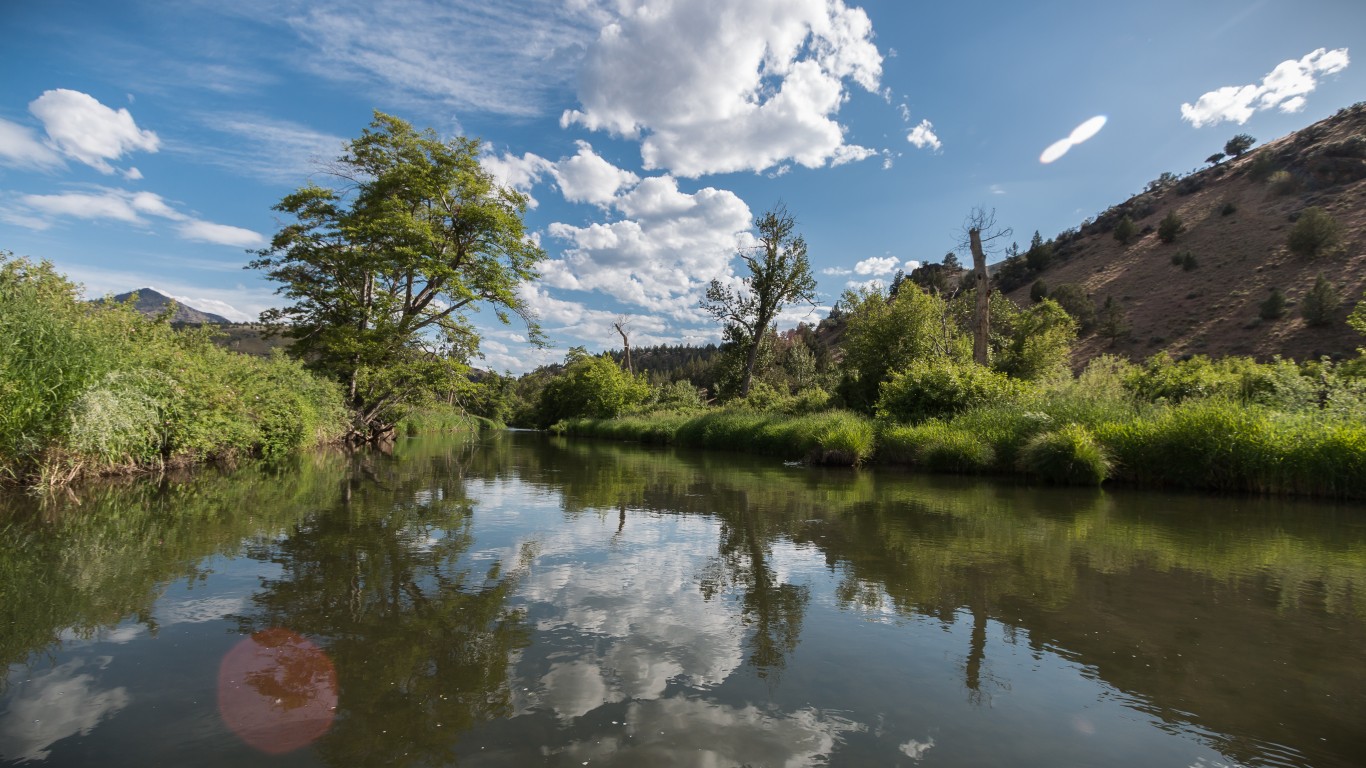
<point>1202,293</point>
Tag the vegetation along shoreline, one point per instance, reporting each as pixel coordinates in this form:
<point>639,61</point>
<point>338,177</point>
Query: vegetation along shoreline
<point>1025,368</point>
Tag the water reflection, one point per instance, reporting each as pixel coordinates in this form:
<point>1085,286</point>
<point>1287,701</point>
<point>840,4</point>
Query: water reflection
<point>538,600</point>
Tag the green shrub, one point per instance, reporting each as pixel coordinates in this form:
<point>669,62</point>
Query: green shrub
<point>1125,230</point>
<point>1170,226</point>
<point>1321,303</point>
<point>926,390</point>
<point>1315,234</point>
<point>830,437</point>
<point>1038,291</point>
<point>1228,209</point>
<point>1069,455</point>
<point>1274,306</point>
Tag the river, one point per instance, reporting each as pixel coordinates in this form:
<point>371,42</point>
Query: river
<point>517,599</point>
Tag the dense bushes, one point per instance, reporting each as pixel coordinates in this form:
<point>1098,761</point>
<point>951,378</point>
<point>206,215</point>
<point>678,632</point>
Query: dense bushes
<point>926,390</point>
<point>90,388</point>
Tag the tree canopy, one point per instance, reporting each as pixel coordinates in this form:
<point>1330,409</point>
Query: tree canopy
<point>382,269</point>
<point>779,274</point>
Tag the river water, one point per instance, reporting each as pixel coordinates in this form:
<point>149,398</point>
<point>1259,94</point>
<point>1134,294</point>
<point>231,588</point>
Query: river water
<point>517,599</point>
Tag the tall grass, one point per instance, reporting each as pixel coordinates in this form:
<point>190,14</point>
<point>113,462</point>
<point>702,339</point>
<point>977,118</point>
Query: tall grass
<point>830,437</point>
<point>99,388</point>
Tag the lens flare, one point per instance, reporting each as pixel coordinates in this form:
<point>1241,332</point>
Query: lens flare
<point>277,691</point>
<point>1079,134</point>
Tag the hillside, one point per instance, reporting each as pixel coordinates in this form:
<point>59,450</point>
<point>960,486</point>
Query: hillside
<point>1237,216</point>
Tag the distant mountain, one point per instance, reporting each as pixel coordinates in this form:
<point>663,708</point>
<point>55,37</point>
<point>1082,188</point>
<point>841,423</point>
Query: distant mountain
<point>153,303</point>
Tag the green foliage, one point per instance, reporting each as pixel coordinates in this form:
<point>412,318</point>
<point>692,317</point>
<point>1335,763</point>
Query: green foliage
<point>1228,209</point>
<point>882,335</point>
<point>1321,303</point>
<point>1069,455</point>
<point>1038,291</point>
<point>1241,380</point>
<point>1261,167</point>
<point>110,390</point>
<point>1074,300</point>
<point>1040,342</point>
<point>1215,158</point>
<point>1315,234</point>
<point>831,437</point>
<point>1274,306</point>
<point>779,274</point>
<point>1040,254</point>
<point>1125,230</point>
<point>1111,321</point>
<point>937,446</point>
<point>1222,445</point>
<point>1239,144</point>
<point>1170,226</point>
<point>675,396</point>
<point>925,389</point>
<point>591,386</point>
<point>1185,260</point>
<point>1357,320</point>
<point>380,276</point>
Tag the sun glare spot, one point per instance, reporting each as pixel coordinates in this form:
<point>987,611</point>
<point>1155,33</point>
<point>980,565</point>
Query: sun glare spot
<point>1079,134</point>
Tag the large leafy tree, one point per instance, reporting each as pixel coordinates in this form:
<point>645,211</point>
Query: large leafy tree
<point>779,274</point>
<point>382,268</point>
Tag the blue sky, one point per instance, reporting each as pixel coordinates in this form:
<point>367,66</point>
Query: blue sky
<point>144,143</point>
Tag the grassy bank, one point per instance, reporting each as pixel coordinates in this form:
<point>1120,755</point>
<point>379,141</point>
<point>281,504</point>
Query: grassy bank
<point>442,418</point>
<point>89,390</point>
<point>1214,444</point>
<point>832,437</point>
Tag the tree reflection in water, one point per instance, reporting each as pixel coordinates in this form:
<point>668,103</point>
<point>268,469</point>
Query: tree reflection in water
<point>421,642</point>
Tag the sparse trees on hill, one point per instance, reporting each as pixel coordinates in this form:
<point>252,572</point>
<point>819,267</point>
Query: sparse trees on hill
<point>1072,298</point>
<point>1274,306</point>
<point>1215,158</point>
<point>1113,325</point>
<point>1239,144</point>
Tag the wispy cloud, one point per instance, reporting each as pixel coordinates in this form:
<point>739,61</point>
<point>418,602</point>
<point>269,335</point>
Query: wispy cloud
<point>134,208</point>
<point>1285,87</point>
<point>1081,133</point>
<point>264,148</point>
<point>492,57</point>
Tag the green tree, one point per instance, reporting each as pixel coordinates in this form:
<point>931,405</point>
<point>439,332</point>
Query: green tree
<point>779,274</point>
<point>1038,291</point>
<point>1040,343</point>
<point>1239,144</point>
<point>1170,226</point>
<point>1112,324</point>
<point>1040,254</point>
<point>1072,298</point>
<point>591,385</point>
<point>1315,234</point>
<point>380,272</point>
<point>1215,158</point>
<point>1320,303</point>
<point>884,334</point>
<point>1125,230</point>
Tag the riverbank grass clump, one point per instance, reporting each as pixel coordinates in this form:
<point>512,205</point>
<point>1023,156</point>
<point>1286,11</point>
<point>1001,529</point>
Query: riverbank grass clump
<point>1069,455</point>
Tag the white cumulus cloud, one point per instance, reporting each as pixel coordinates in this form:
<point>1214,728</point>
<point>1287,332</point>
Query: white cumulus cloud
<point>877,265</point>
<point>1285,87</point>
<point>714,86</point>
<point>662,254</point>
<point>82,128</point>
<point>587,178</point>
<point>923,136</point>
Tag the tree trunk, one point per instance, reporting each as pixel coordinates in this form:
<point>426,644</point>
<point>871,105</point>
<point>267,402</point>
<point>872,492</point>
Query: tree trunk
<point>750,358</point>
<point>981,321</point>
<point>626,344</point>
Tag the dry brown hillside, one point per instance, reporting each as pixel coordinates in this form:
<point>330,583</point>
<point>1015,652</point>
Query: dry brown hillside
<point>1240,250</point>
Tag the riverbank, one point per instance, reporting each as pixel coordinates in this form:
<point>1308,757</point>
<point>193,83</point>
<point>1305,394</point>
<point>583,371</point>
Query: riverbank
<point>1205,444</point>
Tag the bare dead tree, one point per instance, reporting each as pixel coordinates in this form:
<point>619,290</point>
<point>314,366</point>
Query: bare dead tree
<point>980,229</point>
<point>623,328</point>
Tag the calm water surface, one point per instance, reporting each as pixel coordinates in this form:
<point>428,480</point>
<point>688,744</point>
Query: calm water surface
<point>521,600</point>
